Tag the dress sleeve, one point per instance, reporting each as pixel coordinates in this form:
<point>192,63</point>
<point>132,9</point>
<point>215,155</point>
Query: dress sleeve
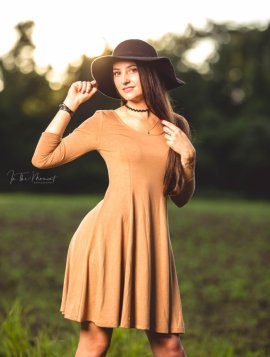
<point>52,150</point>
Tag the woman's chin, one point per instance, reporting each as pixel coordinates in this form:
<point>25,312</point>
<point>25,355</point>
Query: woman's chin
<point>132,98</point>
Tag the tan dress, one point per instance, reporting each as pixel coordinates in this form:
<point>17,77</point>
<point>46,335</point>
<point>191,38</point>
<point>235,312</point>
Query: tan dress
<point>120,269</point>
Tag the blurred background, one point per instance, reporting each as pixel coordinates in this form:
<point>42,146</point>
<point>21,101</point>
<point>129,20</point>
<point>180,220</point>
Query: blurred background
<point>222,52</point>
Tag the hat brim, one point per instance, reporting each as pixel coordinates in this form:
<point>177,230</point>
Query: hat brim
<point>101,70</point>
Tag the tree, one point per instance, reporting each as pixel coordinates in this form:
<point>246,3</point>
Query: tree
<point>226,104</point>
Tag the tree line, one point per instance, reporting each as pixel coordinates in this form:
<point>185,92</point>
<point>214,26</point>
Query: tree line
<point>226,102</point>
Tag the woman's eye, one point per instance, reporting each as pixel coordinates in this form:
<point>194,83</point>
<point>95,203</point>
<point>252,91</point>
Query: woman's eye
<point>116,74</point>
<point>133,70</point>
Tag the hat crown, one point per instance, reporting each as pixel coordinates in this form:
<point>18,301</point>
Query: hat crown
<point>135,48</point>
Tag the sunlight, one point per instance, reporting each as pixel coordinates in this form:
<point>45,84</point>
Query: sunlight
<point>64,46</point>
<point>1,85</point>
<point>8,39</point>
<point>59,58</point>
<point>197,56</point>
<point>65,31</point>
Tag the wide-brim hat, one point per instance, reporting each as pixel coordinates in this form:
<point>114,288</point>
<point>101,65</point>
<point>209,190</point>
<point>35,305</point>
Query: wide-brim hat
<point>137,50</point>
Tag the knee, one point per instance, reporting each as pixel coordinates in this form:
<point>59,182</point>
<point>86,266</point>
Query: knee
<point>93,350</point>
<point>99,350</point>
<point>167,345</point>
<point>90,348</point>
<point>173,346</point>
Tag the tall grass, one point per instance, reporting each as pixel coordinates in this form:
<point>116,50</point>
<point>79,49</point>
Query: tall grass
<point>17,339</point>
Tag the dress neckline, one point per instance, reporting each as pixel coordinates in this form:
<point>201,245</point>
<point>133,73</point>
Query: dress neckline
<point>135,131</point>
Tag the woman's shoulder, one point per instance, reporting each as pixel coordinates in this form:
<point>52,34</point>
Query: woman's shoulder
<point>98,116</point>
<point>105,118</point>
<point>104,113</point>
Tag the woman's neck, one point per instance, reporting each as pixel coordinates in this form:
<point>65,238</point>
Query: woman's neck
<point>140,105</point>
<point>137,109</point>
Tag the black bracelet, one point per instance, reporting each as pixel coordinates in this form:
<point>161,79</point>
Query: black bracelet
<point>63,106</point>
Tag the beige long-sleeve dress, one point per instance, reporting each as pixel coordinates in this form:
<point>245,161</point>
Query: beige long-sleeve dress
<point>120,269</point>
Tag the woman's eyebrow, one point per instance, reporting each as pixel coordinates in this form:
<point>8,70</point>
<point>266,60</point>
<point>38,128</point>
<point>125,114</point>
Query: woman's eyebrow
<point>131,65</point>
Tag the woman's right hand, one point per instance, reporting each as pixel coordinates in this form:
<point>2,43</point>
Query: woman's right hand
<point>79,92</point>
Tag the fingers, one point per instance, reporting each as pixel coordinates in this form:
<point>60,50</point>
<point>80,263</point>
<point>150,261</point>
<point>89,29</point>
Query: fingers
<point>171,132</point>
<point>85,86</point>
<point>168,131</point>
<point>169,125</point>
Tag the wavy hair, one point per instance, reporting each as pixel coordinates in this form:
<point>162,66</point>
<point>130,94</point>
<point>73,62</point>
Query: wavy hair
<point>158,101</point>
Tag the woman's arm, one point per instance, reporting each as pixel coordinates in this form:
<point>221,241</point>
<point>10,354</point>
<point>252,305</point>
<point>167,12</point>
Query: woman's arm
<point>180,141</point>
<point>188,185</point>
<point>53,150</point>
<point>79,92</point>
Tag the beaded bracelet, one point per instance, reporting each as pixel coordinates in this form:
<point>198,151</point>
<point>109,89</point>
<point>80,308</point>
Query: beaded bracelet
<point>64,107</point>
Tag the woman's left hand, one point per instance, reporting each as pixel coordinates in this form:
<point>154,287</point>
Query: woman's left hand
<point>179,142</point>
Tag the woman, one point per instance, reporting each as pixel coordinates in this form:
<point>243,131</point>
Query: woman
<point>120,269</point>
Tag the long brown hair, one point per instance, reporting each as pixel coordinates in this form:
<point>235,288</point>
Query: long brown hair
<point>159,103</point>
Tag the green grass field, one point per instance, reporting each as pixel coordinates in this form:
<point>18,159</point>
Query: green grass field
<point>222,255</point>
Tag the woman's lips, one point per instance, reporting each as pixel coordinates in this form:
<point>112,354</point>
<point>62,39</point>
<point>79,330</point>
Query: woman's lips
<point>128,89</point>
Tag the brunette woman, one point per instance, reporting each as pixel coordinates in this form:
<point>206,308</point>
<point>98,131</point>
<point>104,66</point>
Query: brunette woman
<point>120,269</point>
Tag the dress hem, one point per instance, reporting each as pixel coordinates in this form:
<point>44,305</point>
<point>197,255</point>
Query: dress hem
<point>115,325</point>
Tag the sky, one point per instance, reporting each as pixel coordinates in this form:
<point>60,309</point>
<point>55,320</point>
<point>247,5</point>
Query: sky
<point>64,30</point>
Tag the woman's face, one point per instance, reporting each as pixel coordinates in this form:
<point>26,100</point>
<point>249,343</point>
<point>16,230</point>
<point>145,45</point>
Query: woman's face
<point>127,80</point>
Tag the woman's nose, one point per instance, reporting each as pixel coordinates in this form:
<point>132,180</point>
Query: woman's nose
<point>124,78</point>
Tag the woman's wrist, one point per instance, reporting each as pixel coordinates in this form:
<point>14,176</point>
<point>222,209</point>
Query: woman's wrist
<point>188,162</point>
<point>188,159</point>
<point>188,166</point>
<point>71,104</point>
<point>189,178</point>
<point>64,107</point>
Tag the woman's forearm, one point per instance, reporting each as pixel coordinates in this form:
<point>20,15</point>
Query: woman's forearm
<point>61,120</point>
<point>186,193</point>
<point>52,149</point>
<point>59,123</point>
<point>78,93</point>
<point>188,186</point>
<point>188,167</point>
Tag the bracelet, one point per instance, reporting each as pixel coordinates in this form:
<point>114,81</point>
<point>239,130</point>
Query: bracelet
<point>64,107</point>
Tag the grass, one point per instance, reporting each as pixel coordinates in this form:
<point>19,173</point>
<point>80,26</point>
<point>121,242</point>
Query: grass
<point>221,250</point>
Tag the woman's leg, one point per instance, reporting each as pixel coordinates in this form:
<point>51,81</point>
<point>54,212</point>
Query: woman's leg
<point>165,344</point>
<point>94,340</point>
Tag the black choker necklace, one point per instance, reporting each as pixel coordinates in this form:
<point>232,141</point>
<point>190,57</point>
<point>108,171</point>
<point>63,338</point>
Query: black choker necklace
<point>137,110</point>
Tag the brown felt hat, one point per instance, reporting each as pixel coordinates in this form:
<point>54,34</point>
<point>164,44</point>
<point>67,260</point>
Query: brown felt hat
<point>137,50</point>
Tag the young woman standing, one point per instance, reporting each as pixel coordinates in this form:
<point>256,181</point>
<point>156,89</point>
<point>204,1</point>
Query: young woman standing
<point>120,269</point>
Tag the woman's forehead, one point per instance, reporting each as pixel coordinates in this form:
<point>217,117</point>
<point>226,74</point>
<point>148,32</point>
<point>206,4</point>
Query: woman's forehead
<point>123,64</point>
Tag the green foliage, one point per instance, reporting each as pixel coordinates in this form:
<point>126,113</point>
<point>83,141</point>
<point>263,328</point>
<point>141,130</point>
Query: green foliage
<point>16,338</point>
<point>227,106</point>
<point>229,113</point>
